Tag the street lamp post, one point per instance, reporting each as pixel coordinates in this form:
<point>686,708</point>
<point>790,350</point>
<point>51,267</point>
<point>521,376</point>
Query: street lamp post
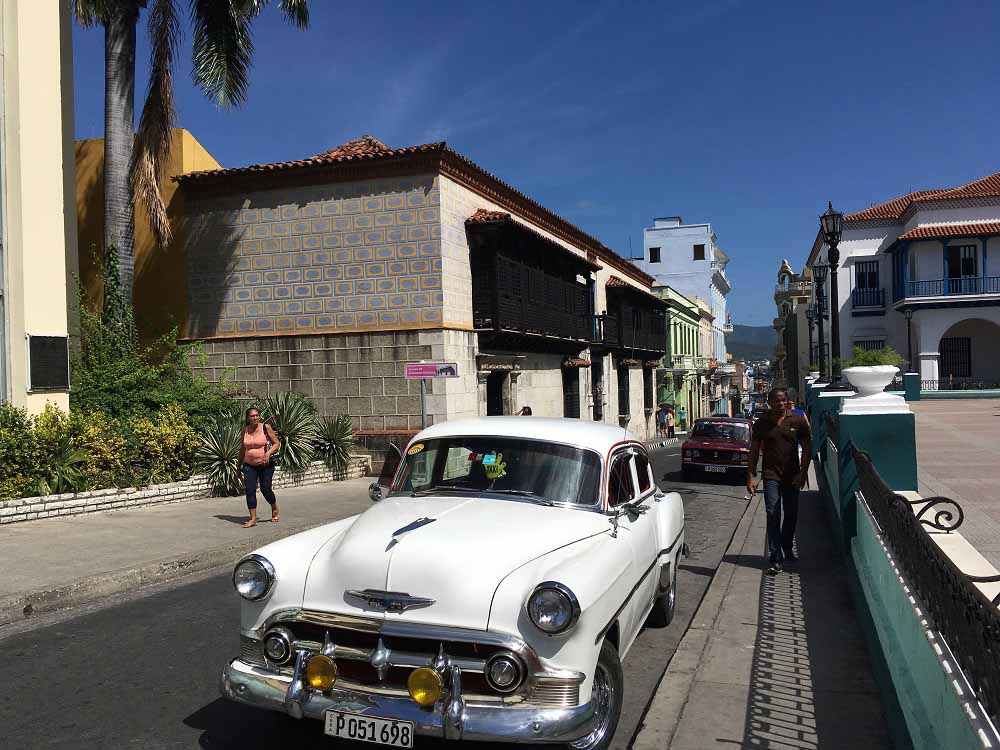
<point>810,319</point>
<point>909,339</point>
<point>819,274</point>
<point>832,224</point>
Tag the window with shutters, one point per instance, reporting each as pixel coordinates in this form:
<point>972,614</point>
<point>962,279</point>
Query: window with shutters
<point>571,392</point>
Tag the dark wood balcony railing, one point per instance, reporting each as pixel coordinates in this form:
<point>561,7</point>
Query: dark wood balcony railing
<point>868,298</point>
<point>512,297</point>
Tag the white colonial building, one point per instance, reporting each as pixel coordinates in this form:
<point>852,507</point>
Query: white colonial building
<point>921,273</point>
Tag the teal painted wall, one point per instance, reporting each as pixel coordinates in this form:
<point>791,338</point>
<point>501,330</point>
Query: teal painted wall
<point>923,709</point>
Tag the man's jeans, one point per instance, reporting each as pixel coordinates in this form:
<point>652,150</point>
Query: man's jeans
<point>780,536</point>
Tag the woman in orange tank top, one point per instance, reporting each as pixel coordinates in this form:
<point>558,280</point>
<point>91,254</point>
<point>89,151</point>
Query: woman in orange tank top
<point>257,467</point>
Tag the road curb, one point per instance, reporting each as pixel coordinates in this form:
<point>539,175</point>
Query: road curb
<point>20,606</point>
<point>667,705</point>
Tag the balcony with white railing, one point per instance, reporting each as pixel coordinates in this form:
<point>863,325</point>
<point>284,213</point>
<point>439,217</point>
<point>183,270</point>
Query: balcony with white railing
<point>793,289</point>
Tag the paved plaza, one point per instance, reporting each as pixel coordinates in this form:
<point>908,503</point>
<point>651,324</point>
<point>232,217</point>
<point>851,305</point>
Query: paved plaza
<point>958,456</point>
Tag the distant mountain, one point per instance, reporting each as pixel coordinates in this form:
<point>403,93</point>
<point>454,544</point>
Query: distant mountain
<point>752,342</point>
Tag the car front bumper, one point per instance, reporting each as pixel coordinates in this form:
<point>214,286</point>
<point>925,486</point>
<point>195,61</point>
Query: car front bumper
<point>449,718</point>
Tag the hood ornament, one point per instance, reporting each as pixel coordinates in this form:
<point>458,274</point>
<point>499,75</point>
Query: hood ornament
<point>389,601</point>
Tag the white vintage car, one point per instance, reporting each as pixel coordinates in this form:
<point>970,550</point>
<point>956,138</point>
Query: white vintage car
<point>490,593</point>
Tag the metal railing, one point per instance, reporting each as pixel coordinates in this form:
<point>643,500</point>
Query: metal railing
<point>868,298</point>
<point>963,615</point>
<point>944,287</point>
<point>795,288</point>
<point>959,384</point>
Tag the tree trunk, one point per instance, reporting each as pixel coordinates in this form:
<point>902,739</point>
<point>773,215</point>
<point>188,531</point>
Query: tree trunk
<point>119,138</point>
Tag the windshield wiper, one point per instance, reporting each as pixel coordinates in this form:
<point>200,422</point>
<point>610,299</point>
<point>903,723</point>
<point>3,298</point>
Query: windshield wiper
<point>526,494</point>
<point>442,488</point>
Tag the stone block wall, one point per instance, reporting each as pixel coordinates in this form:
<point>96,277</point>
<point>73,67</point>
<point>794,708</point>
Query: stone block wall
<point>350,256</point>
<point>70,504</point>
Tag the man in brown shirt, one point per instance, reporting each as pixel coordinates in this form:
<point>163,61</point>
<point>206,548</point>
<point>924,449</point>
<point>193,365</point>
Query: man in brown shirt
<point>777,436</point>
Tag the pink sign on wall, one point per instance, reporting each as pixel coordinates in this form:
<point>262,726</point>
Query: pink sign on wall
<point>421,370</point>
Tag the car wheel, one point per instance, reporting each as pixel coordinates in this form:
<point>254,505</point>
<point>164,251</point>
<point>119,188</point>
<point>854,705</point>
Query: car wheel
<point>606,695</point>
<point>662,613</point>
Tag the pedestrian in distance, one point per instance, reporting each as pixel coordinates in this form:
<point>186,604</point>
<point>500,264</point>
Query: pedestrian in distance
<point>525,411</point>
<point>683,414</point>
<point>661,420</point>
<point>670,424</point>
<point>776,439</point>
<point>260,443</point>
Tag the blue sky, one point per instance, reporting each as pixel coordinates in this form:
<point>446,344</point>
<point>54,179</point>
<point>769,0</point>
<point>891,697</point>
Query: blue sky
<point>749,115</point>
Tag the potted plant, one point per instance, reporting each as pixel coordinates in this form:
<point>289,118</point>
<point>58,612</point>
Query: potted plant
<point>871,371</point>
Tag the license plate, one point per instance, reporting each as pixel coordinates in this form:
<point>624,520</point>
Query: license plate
<point>716,469</point>
<point>369,729</point>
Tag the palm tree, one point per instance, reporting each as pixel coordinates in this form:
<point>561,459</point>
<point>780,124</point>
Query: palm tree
<point>222,51</point>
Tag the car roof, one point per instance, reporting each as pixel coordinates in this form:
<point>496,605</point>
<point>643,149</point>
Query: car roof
<point>595,435</point>
<point>738,420</point>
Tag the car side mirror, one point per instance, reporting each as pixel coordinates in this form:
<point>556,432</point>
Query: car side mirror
<point>379,489</point>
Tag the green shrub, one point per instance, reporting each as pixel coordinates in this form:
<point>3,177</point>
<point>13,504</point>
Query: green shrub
<point>868,358</point>
<point>108,462</point>
<point>20,456</point>
<point>335,442</point>
<point>163,446</point>
<point>60,457</point>
<point>113,374</point>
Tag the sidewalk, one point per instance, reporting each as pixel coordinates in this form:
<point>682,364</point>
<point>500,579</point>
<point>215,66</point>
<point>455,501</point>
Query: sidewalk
<point>61,562</point>
<point>771,662</point>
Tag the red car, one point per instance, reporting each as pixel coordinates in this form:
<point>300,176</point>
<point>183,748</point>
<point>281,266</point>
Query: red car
<point>717,445</point>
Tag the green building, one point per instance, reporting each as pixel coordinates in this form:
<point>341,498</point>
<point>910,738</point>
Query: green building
<point>678,379</point>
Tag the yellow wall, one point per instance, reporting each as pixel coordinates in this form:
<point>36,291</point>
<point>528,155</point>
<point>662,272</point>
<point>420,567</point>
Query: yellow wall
<point>160,273</point>
<point>38,224</point>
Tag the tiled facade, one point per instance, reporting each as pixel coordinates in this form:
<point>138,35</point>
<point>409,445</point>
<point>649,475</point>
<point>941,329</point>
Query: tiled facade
<point>350,256</point>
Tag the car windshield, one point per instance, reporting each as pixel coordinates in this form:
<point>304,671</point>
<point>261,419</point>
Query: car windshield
<point>735,433</point>
<point>507,467</point>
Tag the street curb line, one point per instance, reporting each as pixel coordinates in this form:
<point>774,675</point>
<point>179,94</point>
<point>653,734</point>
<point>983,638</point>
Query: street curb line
<point>21,606</point>
<point>663,715</point>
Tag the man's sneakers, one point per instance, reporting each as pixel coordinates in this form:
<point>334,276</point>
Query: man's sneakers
<point>774,568</point>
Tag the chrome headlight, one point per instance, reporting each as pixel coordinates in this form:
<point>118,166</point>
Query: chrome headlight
<point>253,577</point>
<point>553,608</point>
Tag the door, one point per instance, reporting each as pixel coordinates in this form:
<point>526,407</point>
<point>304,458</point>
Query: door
<point>571,392</point>
<point>956,358</point>
<point>963,270</point>
<point>495,382</point>
<point>597,388</point>
<point>638,531</point>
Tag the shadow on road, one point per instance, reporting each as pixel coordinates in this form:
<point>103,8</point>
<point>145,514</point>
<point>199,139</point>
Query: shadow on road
<point>234,519</point>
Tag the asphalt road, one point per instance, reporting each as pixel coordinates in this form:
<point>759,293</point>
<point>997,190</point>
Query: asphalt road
<point>144,672</point>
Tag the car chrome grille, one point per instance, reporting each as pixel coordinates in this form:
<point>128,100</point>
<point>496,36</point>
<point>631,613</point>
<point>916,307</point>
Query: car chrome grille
<point>353,642</point>
<point>555,692</point>
<point>252,651</point>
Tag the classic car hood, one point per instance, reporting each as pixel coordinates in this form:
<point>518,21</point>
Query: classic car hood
<point>716,445</point>
<point>458,559</point>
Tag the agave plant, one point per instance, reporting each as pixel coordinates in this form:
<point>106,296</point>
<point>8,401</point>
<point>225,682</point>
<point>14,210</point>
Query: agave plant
<point>335,442</point>
<point>62,472</point>
<point>293,417</point>
<point>218,455</point>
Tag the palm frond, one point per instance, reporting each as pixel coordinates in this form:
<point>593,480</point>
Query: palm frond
<point>152,140</point>
<point>297,12</point>
<point>218,456</point>
<point>222,49</point>
<point>91,12</point>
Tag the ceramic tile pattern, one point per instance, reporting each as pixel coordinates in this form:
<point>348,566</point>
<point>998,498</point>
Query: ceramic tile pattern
<point>346,256</point>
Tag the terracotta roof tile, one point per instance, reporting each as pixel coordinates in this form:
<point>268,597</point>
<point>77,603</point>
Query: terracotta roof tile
<point>485,216</point>
<point>892,209</point>
<point>986,186</point>
<point>952,230</point>
<point>615,281</point>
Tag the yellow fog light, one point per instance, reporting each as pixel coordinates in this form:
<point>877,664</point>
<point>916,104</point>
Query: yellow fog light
<point>321,672</point>
<point>425,686</point>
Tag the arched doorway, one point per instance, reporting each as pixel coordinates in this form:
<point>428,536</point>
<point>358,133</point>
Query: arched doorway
<point>970,350</point>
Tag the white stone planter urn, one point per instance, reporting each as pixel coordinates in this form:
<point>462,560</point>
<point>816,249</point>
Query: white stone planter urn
<point>870,383</point>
